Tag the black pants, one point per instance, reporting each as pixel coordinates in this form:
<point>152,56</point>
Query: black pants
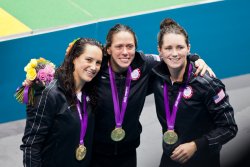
<point>167,162</point>
<point>124,160</point>
<point>204,161</point>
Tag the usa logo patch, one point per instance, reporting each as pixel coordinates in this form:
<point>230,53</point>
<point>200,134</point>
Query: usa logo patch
<point>220,96</point>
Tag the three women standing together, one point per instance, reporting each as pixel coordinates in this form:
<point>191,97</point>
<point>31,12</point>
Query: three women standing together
<point>114,100</point>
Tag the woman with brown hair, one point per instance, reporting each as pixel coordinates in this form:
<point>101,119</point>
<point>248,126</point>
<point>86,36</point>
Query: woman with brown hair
<point>59,126</point>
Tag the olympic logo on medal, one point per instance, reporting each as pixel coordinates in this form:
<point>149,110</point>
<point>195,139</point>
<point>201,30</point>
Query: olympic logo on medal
<point>117,134</point>
<point>81,152</point>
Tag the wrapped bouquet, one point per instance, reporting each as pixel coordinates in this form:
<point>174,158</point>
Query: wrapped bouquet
<point>40,72</point>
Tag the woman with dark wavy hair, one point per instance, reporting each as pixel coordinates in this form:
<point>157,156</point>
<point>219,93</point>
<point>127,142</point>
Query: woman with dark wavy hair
<point>59,126</point>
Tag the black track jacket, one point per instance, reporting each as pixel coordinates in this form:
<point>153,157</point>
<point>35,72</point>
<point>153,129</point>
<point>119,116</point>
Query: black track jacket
<point>105,119</point>
<point>52,131</point>
<point>204,115</point>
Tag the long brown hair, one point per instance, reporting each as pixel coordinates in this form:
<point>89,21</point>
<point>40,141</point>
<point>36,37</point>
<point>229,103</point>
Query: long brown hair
<point>65,71</point>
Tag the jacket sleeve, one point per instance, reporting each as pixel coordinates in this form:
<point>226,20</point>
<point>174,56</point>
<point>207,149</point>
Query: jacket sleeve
<point>222,113</point>
<point>194,57</point>
<point>151,85</point>
<point>153,59</point>
<point>38,122</point>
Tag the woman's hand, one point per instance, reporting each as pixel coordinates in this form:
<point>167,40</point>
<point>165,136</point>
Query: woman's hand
<point>183,152</point>
<point>202,67</point>
<point>27,82</point>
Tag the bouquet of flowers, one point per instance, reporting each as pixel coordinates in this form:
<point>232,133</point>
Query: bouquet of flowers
<point>40,72</point>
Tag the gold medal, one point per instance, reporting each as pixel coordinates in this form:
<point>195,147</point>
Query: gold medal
<point>170,137</point>
<point>81,152</point>
<point>117,134</point>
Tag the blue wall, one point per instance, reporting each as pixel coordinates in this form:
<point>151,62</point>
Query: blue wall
<point>219,33</point>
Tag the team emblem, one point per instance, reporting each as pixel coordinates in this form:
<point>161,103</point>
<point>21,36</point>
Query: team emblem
<point>136,73</point>
<point>87,98</point>
<point>188,92</point>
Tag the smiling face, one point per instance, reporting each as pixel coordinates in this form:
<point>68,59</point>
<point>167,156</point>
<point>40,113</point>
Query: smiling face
<point>87,65</point>
<point>174,50</point>
<point>122,50</point>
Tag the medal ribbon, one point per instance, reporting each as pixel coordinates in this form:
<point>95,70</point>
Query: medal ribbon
<point>84,119</point>
<point>171,117</point>
<point>26,94</point>
<point>119,113</point>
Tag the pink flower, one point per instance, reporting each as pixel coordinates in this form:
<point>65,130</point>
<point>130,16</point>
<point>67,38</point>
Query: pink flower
<point>46,75</point>
<point>42,75</point>
<point>50,71</point>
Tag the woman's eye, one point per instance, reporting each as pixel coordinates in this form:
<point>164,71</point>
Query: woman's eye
<point>130,46</point>
<point>119,47</point>
<point>88,60</point>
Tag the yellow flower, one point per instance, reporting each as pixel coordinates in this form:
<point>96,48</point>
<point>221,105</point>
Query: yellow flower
<point>33,63</point>
<point>41,60</point>
<point>27,67</point>
<point>31,74</point>
<point>52,65</point>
